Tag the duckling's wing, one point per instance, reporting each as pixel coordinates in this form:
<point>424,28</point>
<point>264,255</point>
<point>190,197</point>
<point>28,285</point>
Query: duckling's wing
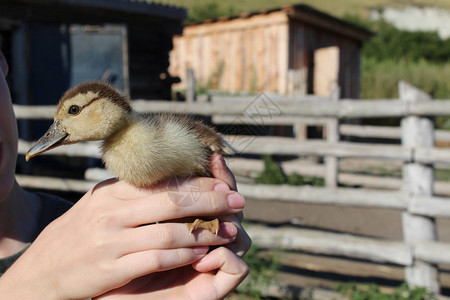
<point>206,134</point>
<point>211,138</point>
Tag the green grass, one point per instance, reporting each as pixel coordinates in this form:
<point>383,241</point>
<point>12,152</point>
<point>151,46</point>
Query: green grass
<point>439,174</point>
<point>263,269</point>
<point>383,171</point>
<point>380,79</point>
<point>272,174</point>
<point>333,7</point>
<point>372,292</point>
<point>442,174</point>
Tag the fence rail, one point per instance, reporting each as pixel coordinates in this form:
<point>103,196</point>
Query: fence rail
<point>375,108</point>
<point>413,193</point>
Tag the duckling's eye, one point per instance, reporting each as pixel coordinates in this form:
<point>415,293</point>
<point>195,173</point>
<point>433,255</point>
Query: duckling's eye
<point>74,110</point>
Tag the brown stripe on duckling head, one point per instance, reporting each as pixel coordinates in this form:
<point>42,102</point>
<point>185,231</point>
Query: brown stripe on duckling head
<point>102,89</point>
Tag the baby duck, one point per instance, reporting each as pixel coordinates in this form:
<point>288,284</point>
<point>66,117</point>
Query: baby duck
<point>142,150</point>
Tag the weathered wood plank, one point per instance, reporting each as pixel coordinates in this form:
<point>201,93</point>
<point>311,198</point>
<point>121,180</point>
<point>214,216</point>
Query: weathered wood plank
<point>287,146</point>
<point>55,184</point>
<point>418,183</point>
<point>308,108</point>
<point>432,155</point>
<point>332,136</point>
<point>319,195</point>
<point>429,206</point>
<point>383,132</point>
<point>433,252</point>
<point>191,85</point>
<point>370,181</point>
<point>34,112</point>
<point>268,120</point>
<point>331,243</point>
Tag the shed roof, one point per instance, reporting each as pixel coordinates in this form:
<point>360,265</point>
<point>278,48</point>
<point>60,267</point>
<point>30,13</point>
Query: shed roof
<point>127,6</point>
<point>306,14</point>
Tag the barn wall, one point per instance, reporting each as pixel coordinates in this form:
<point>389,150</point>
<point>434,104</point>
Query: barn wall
<point>305,39</point>
<point>244,54</point>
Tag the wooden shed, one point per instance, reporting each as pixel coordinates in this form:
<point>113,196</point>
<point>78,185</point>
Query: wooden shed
<point>290,50</point>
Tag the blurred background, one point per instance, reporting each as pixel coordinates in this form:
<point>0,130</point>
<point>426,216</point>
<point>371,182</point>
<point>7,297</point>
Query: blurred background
<point>338,111</point>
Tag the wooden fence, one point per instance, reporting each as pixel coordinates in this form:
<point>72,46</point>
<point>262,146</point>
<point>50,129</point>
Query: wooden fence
<point>414,193</point>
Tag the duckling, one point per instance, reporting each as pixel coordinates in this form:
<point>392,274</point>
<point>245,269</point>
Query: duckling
<point>143,150</point>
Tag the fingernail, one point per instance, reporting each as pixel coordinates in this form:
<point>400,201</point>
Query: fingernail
<point>228,230</point>
<point>221,187</point>
<point>235,200</point>
<point>200,250</point>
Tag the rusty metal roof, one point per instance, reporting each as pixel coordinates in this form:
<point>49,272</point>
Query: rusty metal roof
<point>304,13</point>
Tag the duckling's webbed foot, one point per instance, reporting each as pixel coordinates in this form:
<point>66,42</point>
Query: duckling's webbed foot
<point>212,226</point>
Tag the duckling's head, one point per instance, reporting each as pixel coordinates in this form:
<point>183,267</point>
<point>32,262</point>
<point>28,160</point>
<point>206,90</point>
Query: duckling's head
<point>91,111</point>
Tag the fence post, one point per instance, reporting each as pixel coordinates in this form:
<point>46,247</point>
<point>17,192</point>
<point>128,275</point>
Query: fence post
<point>332,132</point>
<point>300,131</point>
<point>297,82</point>
<point>190,85</point>
<point>418,180</point>
<point>296,87</point>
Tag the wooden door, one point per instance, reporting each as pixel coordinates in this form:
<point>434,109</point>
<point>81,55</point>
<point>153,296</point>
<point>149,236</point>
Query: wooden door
<point>326,70</point>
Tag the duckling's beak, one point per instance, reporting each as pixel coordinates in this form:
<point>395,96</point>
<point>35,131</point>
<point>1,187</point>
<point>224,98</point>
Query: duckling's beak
<point>51,139</point>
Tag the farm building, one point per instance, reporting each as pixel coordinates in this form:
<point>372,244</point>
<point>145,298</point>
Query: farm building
<point>53,45</point>
<point>294,50</point>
